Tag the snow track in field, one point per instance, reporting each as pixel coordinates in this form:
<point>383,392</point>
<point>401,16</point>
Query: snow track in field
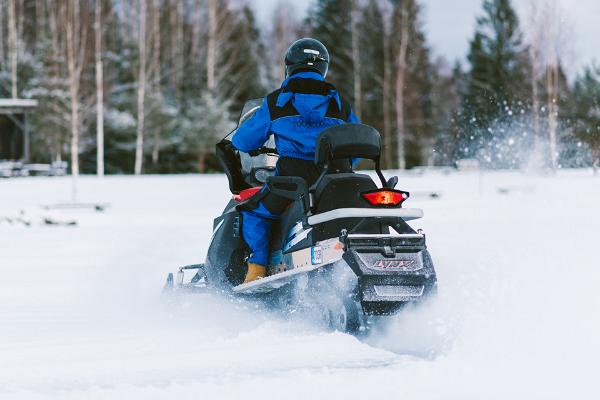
<point>516,316</point>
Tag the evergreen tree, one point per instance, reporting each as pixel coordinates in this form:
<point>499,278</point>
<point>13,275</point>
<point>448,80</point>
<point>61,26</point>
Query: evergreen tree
<point>587,112</point>
<point>446,92</point>
<point>330,23</point>
<point>418,92</point>
<point>372,59</point>
<point>246,77</point>
<point>495,90</point>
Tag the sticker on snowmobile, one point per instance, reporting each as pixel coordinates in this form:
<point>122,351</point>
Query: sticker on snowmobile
<point>396,265</point>
<point>316,255</point>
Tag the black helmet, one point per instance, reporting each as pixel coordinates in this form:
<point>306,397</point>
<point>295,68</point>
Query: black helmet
<point>306,54</point>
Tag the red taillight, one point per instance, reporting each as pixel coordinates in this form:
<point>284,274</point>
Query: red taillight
<point>246,194</point>
<point>386,197</point>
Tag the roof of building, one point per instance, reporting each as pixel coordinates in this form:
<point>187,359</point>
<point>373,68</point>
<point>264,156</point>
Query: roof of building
<point>17,106</point>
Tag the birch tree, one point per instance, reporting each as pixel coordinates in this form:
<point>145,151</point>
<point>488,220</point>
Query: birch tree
<point>387,86</point>
<point>285,26</point>
<point>550,38</point>
<point>156,71</point>
<point>99,90</point>
<point>356,59</point>
<point>400,64</point>
<point>13,46</point>
<point>536,34</point>
<point>76,34</point>
<point>141,88</point>
<point>2,34</point>
<point>211,51</point>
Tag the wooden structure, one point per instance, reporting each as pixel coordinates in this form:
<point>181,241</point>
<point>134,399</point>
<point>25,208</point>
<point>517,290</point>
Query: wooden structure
<point>14,128</point>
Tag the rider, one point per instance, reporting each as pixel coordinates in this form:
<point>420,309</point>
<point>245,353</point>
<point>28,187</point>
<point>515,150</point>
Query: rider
<point>296,114</point>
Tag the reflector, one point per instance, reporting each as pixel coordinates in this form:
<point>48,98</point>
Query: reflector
<point>246,194</point>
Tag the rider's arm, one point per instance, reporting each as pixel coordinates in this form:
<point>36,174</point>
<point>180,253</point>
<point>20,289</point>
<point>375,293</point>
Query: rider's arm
<point>254,132</point>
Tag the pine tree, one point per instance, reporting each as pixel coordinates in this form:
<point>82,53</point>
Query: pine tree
<point>330,22</point>
<point>495,89</point>
<point>418,93</point>
<point>372,63</point>
<point>587,112</point>
<point>245,79</point>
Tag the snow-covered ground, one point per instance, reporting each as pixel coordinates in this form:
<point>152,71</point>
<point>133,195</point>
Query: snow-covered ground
<point>517,317</point>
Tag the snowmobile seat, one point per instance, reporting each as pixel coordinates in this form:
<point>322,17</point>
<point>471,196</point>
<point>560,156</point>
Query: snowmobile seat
<point>341,191</point>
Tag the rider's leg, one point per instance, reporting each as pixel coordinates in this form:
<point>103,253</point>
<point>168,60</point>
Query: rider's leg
<point>256,231</point>
<point>259,213</point>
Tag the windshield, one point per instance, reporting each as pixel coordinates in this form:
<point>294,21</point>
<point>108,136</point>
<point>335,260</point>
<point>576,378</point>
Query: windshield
<point>249,109</point>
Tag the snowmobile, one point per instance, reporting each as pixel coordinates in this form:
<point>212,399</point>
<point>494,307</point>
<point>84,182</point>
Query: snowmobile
<point>342,250</point>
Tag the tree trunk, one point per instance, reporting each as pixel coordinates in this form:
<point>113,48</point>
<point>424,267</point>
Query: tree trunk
<point>141,89</point>
<point>387,97</point>
<point>552,89</point>
<point>75,54</point>
<point>535,104</point>
<point>281,34</point>
<point>2,39</point>
<point>13,47</point>
<point>157,73</point>
<point>201,159</point>
<point>356,60</point>
<point>72,18</point>
<point>400,79</point>
<point>595,157</point>
<point>99,91</point>
<point>211,51</point>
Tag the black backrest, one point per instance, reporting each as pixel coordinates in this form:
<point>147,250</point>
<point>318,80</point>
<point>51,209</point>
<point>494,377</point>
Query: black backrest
<point>347,141</point>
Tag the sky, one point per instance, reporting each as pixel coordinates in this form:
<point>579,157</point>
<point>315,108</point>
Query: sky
<point>449,25</point>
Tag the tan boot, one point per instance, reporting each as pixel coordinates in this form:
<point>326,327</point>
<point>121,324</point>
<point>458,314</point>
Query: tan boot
<point>255,271</point>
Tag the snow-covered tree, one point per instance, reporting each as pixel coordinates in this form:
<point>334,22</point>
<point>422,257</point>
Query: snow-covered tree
<point>587,114</point>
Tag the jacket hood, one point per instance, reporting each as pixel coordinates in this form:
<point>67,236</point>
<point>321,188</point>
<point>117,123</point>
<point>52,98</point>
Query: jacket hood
<point>312,107</point>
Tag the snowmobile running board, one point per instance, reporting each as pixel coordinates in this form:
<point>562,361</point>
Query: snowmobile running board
<point>273,281</point>
<point>302,261</point>
<point>407,214</point>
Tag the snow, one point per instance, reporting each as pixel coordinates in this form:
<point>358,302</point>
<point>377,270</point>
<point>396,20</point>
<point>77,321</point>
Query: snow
<point>516,316</point>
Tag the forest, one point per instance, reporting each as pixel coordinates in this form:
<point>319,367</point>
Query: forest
<point>149,86</point>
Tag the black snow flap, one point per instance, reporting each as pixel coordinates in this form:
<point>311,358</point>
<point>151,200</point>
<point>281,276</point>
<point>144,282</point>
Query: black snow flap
<point>392,270</point>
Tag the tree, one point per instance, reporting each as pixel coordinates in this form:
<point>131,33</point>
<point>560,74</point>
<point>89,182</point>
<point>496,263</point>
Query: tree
<point>245,54</point>
<point>401,20</point>
<point>587,117</point>
<point>285,25</point>
<point>141,87</point>
<point>201,124</point>
<point>494,83</point>
<point>76,47</point>
<point>13,47</point>
<point>375,83</point>
<point>99,90</point>
<point>447,83</point>
<point>550,37</point>
<point>330,22</point>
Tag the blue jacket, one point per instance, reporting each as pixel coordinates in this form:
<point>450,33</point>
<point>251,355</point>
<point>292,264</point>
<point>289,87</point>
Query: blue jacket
<point>296,114</point>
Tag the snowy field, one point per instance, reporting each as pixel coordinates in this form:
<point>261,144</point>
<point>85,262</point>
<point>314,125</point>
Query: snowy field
<point>517,317</point>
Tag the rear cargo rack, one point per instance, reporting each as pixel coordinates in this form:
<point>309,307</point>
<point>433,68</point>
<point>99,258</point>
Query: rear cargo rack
<point>407,214</point>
